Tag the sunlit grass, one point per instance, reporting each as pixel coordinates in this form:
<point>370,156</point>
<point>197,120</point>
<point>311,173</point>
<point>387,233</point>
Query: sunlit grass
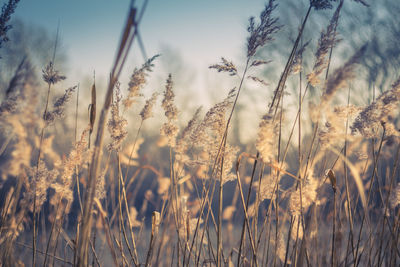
<point>194,197</point>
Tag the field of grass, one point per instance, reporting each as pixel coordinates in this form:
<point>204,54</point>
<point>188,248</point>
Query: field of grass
<point>319,185</point>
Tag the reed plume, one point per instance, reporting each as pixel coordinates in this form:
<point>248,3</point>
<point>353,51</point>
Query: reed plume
<point>137,81</point>
<point>326,42</point>
<point>117,124</point>
<point>169,129</point>
<point>147,111</point>
<point>379,112</point>
<point>6,11</point>
<point>58,111</point>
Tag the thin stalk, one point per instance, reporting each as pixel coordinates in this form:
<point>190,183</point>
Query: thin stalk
<point>58,235</point>
<point>154,234</point>
<point>223,140</point>
<point>257,207</point>
<point>282,81</point>
<point>127,38</point>
<point>288,239</point>
<point>276,229</point>
<point>245,214</point>
<point>209,211</point>
<point>299,112</point>
<point>393,175</point>
<point>375,166</point>
<point>269,238</point>
<point>225,135</point>
<point>247,206</point>
<point>285,73</point>
<point>174,198</point>
<point>347,183</point>
<point>75,137</point>
<point>220,150</point>
<point>134,256</point>
<point>95,257</point>
<point>205,200</point>
<point>220,206</point>
<point>35,178</point>
<point>120,223</point>
<point>198,221</point>
<point>278,174</point>
<point>64,261</point>
<point>333,252</point>
<point>53,225</point>
<point>133,149</point>
<point>76,114</point>
<point>296,241</point>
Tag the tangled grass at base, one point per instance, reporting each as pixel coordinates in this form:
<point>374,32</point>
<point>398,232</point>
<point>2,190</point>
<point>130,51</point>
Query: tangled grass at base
<point>318,186</point>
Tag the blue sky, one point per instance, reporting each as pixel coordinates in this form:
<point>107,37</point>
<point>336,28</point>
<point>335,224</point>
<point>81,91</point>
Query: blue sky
<point>202,31</point>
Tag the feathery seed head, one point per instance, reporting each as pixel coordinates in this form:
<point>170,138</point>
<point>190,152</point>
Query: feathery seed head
<point>6,11</point>
<point>379,112</point>
<point>76,157</point>
<point>267,187</point>
<point>22,150</point>
<point>342,75</point>
<point>50,75</point>
<point>138,81</point>
<point>321,4</point>
<point>182,144</point>
<point>171,112</point>
<point>395,197</point>
<point>58,111</point>
<point>335,127</point>
<point>226,66</point>
<point>147,110</point>
<point>363,2</point>
<point>266,138</point>
<point>262,33</point>
<point>228,156</point>
<point>207,136</point>
<point>9,105</point>
<point>298,59</point>
<point>258,62</point>
<point>43,179</point>
<point>297,230</point>
<point>256,79</point>
<point>100,186</point>
<point>169,129</point>
<point>309,195</point>
<point>117,124</point>
<point>326,41</point>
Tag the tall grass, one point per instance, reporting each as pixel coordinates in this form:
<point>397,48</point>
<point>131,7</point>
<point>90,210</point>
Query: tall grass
<point>194,197</point>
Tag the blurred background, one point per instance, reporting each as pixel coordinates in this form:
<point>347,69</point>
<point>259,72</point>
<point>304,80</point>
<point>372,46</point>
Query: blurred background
<point>191,36</point>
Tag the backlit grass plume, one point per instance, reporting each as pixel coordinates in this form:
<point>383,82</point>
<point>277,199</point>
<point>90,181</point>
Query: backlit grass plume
<point>170,129</point>
<point>6,11</point>
<point>380,112</point>
<point>327,40</point>
<point>137,81</point>
<point>263,32</point>
<point>143,204</point>
<point>117,124</point>
<point>58,111</point>
<point>52,76</point>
